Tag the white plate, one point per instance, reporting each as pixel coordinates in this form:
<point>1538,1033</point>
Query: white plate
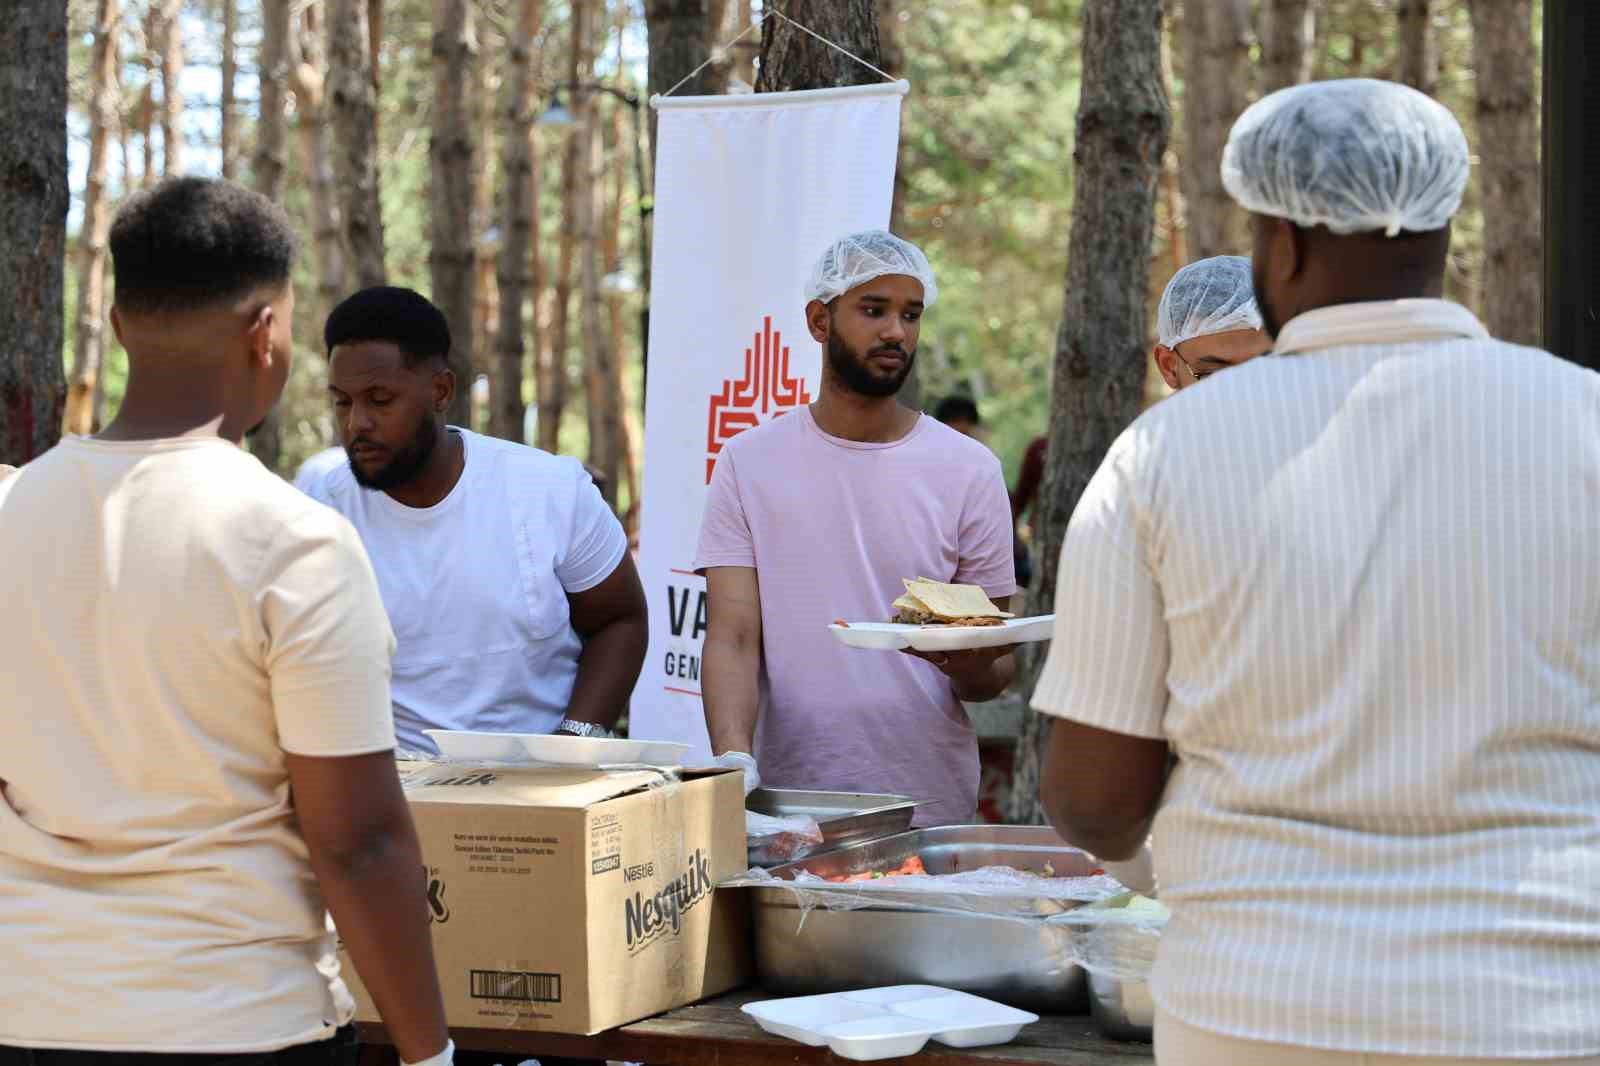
<point>892,636</point>
<point>555,750</point>
<point>882,1023</point>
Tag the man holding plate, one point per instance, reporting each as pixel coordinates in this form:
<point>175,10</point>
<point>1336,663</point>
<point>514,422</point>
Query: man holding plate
<point>822,515</point>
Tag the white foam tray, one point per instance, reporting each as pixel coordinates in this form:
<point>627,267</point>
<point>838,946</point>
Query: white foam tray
<point>893,636</point>
<point>539,749</point>
<point>888,1023</point>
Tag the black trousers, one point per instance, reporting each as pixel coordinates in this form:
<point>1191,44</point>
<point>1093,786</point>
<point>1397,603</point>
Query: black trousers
<point>340,1049</point>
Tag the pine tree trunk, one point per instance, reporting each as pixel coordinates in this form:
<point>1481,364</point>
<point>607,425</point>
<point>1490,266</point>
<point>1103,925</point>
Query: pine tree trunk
<point>744,64</point>
<point>1172,233</point>
<point>272,66</point>
<point>1288,37</point>
<point>453,191</point>
<point>1506,67</point>
<point>615,414</point>
<point>554,389</point>
<point>1123,125</point>
<point>311,128</point>
<point>1216,44</point>
<point>681,38</point>
<point>353,121</point>
<point>486,287</point>
<point>33,220</point>
<point>520,203</point>
<point>88,352</point>
<point>146,120</point>
<point>792,59</point>
<point>171,88</point>
<point>230,74</point>
<point>1418,52</point>
<point>597,356</point>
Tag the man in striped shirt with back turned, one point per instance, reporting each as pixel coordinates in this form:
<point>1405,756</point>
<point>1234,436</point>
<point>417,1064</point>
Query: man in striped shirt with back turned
<point>1351,585</point>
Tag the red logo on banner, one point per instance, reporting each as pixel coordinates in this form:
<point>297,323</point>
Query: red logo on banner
<point>766,391</point>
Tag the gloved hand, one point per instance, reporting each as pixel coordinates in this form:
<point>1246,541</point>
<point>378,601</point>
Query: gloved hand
<point>1137,873</point>
<point>447,1057</point>
<point>738,760</point>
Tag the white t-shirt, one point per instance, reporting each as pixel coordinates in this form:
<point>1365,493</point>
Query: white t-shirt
<point>316,468</point>
<point>175,618</point>
<point>1353,585</point>
<point>476,586</point>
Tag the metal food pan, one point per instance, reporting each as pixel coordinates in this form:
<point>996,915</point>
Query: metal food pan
<point>1122,1009</point>
<point>1023,962</point>
<point>845,818</point>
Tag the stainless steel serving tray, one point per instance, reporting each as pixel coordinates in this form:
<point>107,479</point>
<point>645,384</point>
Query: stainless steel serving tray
<point>845,818</point>
<point>1011,958</point>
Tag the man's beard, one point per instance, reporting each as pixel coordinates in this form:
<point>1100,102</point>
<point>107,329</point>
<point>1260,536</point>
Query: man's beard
<point>852,369</point>
<point>407,462</point>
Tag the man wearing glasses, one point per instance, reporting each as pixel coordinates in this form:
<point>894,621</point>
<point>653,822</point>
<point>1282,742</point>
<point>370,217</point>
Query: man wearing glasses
<point>1207,321</point>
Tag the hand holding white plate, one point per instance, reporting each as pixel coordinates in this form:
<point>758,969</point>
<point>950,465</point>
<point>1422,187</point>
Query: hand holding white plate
<point>893,636</point>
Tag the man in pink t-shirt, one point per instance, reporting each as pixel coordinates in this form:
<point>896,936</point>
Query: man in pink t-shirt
<point>819,515</point>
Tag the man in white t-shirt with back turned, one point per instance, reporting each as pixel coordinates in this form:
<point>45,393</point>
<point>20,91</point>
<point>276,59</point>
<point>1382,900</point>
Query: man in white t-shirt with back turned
<point>196,750</point>
<point>506,576</point>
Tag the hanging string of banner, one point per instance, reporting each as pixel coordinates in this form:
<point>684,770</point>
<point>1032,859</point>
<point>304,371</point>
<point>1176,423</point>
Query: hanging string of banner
<point>717,53</point>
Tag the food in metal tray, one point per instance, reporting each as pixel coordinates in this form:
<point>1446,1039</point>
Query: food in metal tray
<point>914,867</point>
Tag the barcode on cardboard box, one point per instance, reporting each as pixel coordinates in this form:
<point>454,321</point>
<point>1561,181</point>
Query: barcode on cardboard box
<point>526,987</point>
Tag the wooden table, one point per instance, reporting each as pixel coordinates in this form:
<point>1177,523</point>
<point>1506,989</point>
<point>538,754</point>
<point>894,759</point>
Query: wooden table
<point>716,1033</point>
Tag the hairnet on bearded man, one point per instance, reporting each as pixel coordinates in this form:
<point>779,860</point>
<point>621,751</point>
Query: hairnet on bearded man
<point>862,257</point>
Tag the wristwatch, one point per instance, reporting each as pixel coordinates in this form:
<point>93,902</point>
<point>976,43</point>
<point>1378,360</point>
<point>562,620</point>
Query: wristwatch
<point>584,729</point>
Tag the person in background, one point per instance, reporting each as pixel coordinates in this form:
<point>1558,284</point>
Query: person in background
<point>1207,321</point>
<point>960,413</point>
<point>505,574</point>
<point>1351,588</point>
<point>197,752</point>
<point>1030,477</point>
<point>819,515</point>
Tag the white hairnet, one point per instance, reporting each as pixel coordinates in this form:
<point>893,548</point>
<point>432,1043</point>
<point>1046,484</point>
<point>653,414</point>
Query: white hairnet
<point>1355,156</point>
<point>861,257</point>
<point>1212,296</point>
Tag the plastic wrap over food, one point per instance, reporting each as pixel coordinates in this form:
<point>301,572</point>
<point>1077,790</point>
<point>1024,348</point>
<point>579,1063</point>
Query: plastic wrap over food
<point>1117,937</point>
<point>993,891</point>
<point>781,838</point>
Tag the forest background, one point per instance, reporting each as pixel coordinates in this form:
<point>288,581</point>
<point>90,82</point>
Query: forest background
<point>985,182</point>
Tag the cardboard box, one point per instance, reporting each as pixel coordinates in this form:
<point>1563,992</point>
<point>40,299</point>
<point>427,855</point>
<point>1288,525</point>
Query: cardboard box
<point>577,901</point>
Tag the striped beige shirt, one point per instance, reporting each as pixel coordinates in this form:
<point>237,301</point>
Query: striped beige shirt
<point>1356,586</point>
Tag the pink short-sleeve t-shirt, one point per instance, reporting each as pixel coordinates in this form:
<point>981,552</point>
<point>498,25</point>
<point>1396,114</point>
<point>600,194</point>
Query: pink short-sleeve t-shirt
<point>831,527</point>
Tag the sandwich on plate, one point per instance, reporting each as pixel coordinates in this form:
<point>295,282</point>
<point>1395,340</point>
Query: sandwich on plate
<point>935,603</point>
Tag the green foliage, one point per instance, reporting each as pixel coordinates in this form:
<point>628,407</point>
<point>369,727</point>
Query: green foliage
<point>985,168</point>
<point>986,158</point>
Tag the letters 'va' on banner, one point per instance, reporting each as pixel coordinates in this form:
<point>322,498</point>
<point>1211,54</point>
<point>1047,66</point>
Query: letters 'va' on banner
<point>749,192</point>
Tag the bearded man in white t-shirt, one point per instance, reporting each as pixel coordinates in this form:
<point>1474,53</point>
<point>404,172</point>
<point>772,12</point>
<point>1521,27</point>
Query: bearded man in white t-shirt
<point>506,576</point>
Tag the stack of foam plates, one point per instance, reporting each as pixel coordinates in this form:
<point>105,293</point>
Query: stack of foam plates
<point>888,1023</point>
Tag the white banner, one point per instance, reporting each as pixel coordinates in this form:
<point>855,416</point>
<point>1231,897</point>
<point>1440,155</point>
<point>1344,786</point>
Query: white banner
<point>749,192</point>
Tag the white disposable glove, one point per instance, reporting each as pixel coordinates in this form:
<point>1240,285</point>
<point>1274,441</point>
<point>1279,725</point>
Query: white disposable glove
<point>447,1057</point>
<point>1137,873</point>
<point>738,760</point>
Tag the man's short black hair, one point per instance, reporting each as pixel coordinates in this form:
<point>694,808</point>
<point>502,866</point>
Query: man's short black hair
<point>957,409</point>
<point>192,243</point>
<point>402,317</point>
